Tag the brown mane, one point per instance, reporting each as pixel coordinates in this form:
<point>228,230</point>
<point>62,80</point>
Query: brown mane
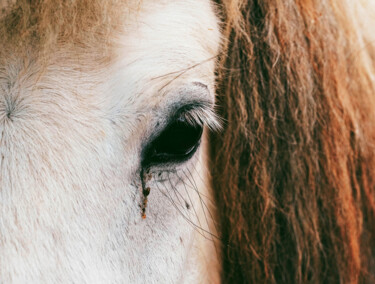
<point>294,167</point>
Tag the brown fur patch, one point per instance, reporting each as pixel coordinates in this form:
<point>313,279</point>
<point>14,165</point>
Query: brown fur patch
<point>45,25</point>
<point>294,168</point>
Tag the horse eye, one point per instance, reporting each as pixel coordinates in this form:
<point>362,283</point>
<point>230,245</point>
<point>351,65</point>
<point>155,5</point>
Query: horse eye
<point>176,143</point>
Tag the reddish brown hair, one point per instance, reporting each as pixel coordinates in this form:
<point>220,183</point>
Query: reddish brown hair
<point>294,168</point>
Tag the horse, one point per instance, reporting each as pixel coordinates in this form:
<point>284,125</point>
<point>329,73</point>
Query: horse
<point>189,141</point>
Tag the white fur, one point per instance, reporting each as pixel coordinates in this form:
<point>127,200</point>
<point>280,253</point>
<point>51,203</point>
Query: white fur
<point>70,146</point>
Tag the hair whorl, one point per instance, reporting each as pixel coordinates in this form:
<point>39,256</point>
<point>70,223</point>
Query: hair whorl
<point>294,167</point>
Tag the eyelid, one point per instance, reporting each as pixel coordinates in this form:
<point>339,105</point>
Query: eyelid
<point>198,104</point>
<point>155,152</point>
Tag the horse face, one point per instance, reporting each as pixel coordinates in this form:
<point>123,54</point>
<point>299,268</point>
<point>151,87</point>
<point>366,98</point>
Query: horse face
<point>102,169</point>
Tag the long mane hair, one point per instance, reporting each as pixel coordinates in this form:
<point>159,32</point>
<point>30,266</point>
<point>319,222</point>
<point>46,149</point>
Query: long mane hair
<point>294,168</point>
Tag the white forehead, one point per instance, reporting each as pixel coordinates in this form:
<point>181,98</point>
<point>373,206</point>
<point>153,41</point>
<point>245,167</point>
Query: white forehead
<point>167,44</point>
<point>166,47</point>
<point>162,48</point>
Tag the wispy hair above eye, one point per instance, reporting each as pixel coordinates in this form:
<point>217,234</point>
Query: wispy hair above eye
<point>202,114</point>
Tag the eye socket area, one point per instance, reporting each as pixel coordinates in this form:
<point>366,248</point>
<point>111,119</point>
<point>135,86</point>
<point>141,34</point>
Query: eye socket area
<point>175,144</point>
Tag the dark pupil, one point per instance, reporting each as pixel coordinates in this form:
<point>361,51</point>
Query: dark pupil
<point>176,143</point>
